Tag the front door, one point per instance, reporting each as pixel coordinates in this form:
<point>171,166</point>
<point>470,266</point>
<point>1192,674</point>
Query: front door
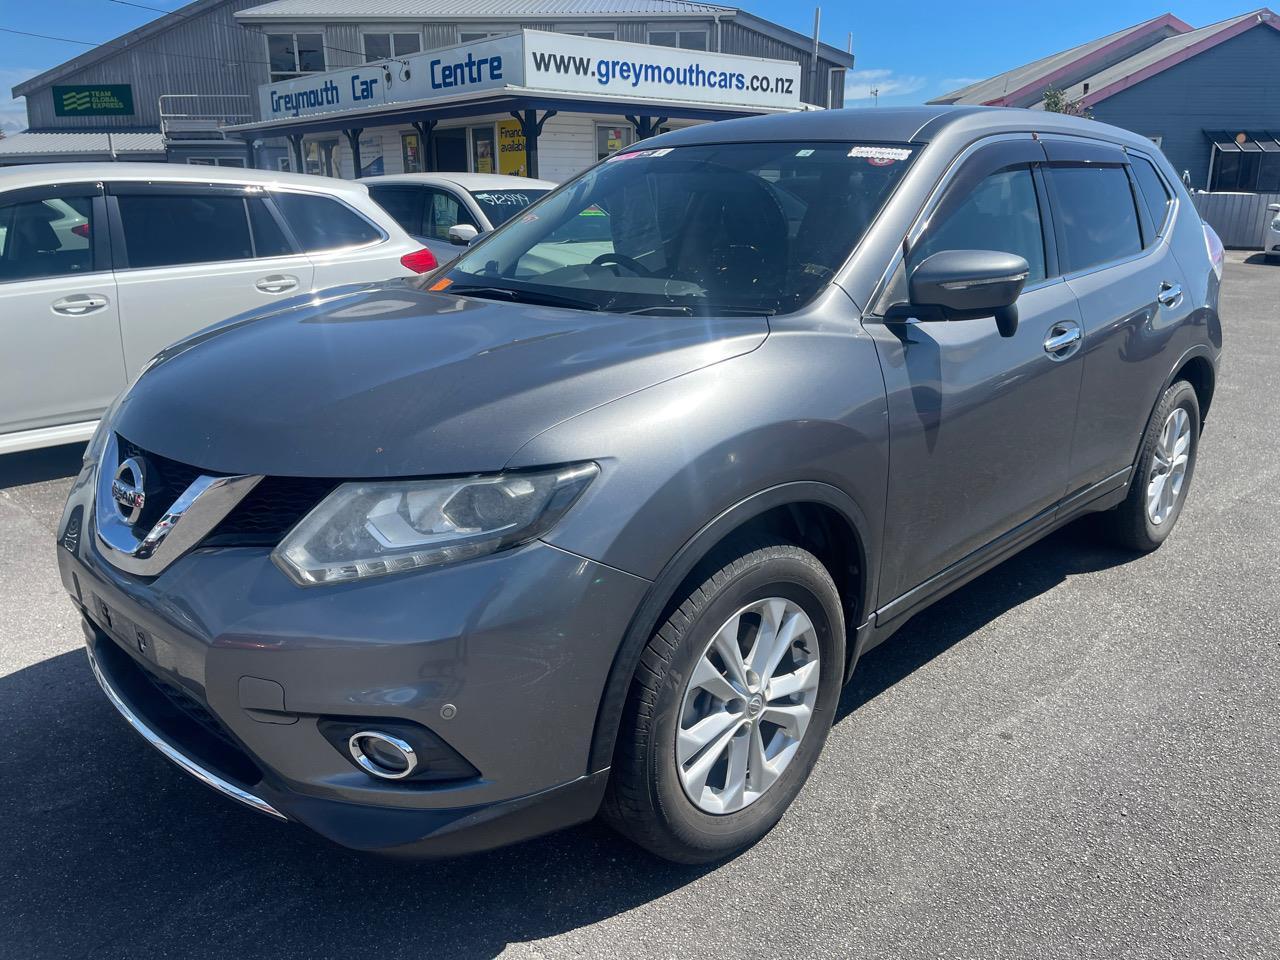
<point>980,425</point>
<point>59,321</point>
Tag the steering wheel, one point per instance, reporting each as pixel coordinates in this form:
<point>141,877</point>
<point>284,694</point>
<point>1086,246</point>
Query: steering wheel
<point>622,260</point>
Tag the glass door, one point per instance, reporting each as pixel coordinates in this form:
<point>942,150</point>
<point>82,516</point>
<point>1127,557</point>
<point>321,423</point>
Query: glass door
<point>482,150</point>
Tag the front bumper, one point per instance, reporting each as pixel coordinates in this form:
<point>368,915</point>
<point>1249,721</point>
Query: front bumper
<point>517,646</point>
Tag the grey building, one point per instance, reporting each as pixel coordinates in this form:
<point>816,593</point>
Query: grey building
<point>193,76</point>
<point>1209,97</point>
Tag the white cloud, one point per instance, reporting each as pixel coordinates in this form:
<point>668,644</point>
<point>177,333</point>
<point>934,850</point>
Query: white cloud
<point>13,112</point>
<point>858,84</point>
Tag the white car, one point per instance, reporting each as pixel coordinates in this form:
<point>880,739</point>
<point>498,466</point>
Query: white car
<point>446,211</point>
<point>104,264</point>
<point>1271,239</point>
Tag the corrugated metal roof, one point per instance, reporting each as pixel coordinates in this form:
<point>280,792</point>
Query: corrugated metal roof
<point>1002,84</point>
<point>1152,55</point>
<point>453,10</point>
<point>47,144</point>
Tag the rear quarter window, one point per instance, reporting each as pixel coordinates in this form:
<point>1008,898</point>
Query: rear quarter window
<point>322,223</point>
<point>1155,195</point>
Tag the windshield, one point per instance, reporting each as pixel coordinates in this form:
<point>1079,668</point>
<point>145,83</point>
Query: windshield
<point>501,205</point>
<point>740,226</point>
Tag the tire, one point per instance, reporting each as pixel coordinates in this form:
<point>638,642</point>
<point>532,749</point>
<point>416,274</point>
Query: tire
<point>1131,525</point>
<point>647,800</point>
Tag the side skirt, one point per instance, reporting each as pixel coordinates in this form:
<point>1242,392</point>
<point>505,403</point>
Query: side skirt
<point>888,619</point>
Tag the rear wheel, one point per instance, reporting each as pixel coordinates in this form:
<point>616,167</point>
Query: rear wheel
<point>1165,466</point>
<point>730,705</point>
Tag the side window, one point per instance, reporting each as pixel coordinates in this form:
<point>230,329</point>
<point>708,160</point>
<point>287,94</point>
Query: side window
<point>321,223</point>
<point>168,229</point>
<point>404,205</point>
<point>1000,213</point>
<point>1154,193</point>
<point>268,239</point>
<point>46,238</point>
<point>1095,208</point>
<point>443,211</point>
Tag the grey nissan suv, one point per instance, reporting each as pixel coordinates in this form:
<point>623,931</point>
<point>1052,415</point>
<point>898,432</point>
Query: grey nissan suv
<point>602,516</point>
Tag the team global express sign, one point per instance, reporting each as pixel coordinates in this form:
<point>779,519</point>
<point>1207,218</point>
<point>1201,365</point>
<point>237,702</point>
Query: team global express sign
<point>98,100</point>
<point>541,61</point>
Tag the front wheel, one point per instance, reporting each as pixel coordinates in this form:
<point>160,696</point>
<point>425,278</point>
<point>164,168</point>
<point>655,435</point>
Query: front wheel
<point>1165,466</point>
<point>730,705</point>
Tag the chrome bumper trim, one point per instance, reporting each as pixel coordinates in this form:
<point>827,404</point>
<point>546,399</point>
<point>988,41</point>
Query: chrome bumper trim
<point>186,763</point>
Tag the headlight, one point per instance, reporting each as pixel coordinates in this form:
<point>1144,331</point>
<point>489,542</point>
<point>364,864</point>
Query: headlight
<point>370,529</point>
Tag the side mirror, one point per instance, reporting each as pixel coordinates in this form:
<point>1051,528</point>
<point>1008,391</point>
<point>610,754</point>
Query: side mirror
<point>462,234</point>
<point>1273,208</point>
<point>968,284</point>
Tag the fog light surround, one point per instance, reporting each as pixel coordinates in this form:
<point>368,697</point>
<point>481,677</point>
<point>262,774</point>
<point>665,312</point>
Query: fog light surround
<point>382,755</point>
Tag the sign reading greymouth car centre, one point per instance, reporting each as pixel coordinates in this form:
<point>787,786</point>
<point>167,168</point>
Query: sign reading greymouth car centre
<point>550,62</point>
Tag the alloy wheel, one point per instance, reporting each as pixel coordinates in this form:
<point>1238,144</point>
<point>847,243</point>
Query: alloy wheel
<point>1169,466</point>
<point>747,705</point>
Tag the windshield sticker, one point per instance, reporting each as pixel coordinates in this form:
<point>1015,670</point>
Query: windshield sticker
<point>808,152</point>
<point>498,199</point>
<point>880,156</point>
<point>440,285</point>
<point>661,152</point>
<point>593,211</point>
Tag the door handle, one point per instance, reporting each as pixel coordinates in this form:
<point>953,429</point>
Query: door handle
<point>1061,339</point>
<point>277,283</point>
<point>1170,294</point>
<point>78,304</point>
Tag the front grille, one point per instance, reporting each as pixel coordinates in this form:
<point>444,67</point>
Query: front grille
<point>270,511</point>
<point>260,520</point>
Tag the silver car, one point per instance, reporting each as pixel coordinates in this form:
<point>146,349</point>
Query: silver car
<point>102,265</point>
<point>446,211</point>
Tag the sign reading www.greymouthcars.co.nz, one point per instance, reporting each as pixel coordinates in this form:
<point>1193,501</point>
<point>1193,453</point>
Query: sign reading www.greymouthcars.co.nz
<point>536,60</point>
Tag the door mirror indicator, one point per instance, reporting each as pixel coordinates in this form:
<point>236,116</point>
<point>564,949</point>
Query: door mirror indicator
<point>967,285</point>
<point>462,234</point>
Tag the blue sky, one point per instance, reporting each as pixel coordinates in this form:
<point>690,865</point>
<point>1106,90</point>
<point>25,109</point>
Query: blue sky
<point>911,52</point>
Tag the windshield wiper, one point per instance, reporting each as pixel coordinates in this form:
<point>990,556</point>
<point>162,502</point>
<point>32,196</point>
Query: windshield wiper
<point>703,309</point>
<point>525,296</point>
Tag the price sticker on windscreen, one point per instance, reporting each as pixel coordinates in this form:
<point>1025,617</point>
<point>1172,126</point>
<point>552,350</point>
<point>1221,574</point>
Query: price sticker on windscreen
<point>880,156</point>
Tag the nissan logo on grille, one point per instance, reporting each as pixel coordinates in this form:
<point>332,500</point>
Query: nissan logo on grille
<point>128,490</point>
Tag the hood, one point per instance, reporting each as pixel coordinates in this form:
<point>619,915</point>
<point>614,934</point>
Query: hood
<point>390,380</point>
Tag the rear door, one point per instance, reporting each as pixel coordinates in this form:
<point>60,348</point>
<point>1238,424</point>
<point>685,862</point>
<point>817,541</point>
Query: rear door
<point>61,360</point>
<point>190,255</point>
<point>1130,289</point>
<point>980,424</point>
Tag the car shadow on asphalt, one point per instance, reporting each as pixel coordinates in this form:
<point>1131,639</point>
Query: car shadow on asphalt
<point>37,466</point>
<point>1075,549</point>
<point>112,852</point>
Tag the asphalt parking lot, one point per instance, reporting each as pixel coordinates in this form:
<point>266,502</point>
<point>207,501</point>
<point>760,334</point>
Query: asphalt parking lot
<point>1075,756</point>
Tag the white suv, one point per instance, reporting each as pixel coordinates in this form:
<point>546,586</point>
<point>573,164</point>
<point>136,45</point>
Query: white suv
<point>102,265</point>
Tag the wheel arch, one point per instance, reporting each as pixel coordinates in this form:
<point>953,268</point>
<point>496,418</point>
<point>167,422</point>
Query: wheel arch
<point>821,517</point>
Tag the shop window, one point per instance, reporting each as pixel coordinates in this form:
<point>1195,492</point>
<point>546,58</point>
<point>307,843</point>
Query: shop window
<point>294,54</point>
<point>385,46</point>
<point>593,34</point>
<point>611,139</point>
<point>471,36</point>
<point>684,39</point>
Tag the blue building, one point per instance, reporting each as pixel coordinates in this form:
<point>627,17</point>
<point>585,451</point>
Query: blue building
<point>1208,97</point>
